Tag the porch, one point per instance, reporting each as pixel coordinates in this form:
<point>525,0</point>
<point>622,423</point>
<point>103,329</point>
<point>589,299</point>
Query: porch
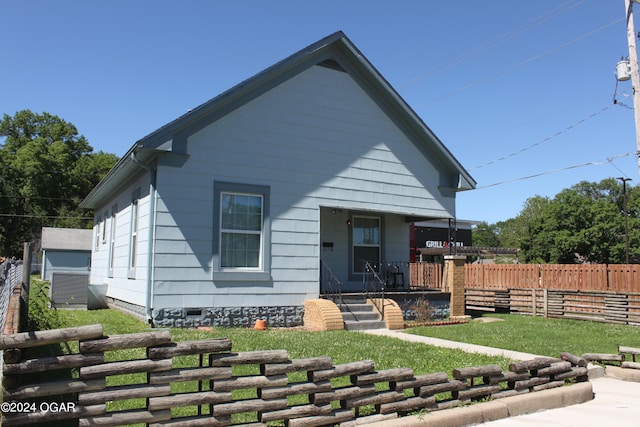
<point>403,282</point>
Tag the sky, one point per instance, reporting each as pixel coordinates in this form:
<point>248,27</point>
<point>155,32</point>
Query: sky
<point>522,93</point>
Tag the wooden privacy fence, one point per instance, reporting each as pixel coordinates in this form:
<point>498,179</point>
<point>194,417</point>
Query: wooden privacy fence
<point>577,277</point>
<point>598,292</point>
<point>196,383</point>
<point>425,275</point>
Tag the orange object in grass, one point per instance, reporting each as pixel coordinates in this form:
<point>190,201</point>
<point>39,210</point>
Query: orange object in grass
<point>261,325</point>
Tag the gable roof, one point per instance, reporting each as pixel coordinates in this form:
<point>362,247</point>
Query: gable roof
<point>335,51</point>
<point>66,239</point>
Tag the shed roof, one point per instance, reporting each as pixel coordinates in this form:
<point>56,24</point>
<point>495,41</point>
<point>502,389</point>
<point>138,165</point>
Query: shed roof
<point>334,49</point>
<point>66,239</point>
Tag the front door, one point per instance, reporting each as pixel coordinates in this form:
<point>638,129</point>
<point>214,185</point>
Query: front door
<point>365,242</point>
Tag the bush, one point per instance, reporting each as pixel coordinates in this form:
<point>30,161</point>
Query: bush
<point>41,316</point>
<point>423,310</point>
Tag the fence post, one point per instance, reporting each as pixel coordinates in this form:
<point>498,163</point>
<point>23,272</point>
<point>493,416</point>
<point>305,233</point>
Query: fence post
<point>534,302</point>
<point>26,282</point>
<point>545,299</point>
<point>454,269</point>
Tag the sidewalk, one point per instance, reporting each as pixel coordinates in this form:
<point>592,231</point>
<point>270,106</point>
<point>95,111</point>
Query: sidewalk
<point>615,402</point>
<point>437,342</point>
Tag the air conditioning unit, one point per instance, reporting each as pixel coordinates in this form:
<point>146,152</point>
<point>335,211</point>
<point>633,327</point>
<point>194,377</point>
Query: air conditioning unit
<point>69,289</point>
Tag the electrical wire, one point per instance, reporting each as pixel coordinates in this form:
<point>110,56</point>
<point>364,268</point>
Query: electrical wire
<point>547,139</point>
<point>520,64</point>
<point>597,163</point>
<point>46,216</point>
<point>527,26</point>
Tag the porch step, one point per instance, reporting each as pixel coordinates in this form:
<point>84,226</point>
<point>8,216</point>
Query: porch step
<point>362,325</point>
<point>358,316</point>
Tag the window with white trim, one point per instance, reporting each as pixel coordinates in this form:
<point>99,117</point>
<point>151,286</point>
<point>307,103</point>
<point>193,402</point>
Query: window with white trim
<point>241,232</point>
<point>112,239</point>
<point>104,227</point>
<point>133,233</point>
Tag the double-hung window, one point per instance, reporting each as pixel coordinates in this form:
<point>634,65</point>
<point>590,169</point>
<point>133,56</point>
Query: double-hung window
<point>112,240</point>
<point>133,234</point>
<point>240,230</point>
<point>242,234</point>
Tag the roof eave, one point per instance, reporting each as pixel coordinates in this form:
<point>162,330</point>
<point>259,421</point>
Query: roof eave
<point>123,170</point>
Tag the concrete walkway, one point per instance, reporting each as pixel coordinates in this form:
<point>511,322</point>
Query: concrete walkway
<point>616,403</point>
<point>616,398</point>
<point>437,342</point>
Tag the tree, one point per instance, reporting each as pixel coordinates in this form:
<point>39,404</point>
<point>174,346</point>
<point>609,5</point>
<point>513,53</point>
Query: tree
<point>533,229</point>
<point>485,235</point>
<point>583,223</point>
<point>47,168</point>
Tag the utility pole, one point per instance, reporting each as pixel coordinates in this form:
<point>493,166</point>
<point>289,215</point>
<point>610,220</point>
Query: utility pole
<point>635,74</point>
<point>624,212</point>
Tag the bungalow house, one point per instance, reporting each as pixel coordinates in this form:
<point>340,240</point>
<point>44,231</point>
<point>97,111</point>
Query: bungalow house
<point>227,213</point>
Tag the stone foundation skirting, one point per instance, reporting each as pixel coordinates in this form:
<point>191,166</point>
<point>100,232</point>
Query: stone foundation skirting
<point>284,316</point>
<point>134,310</point>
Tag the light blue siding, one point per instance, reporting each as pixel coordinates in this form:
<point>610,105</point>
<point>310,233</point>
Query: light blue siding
<point>316,140</point>
<point>64,261</point>
<point>324,149</point>
<point>119,285</point>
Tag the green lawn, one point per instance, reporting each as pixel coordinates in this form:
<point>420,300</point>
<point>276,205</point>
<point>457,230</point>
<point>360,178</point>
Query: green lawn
<point>520,333</point>
<point>341,346</point>
<point>548,337</point>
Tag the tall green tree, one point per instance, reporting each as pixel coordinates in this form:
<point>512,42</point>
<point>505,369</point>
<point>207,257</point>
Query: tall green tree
<point>47,168</point>
<point>533,228</point>
<point>583,223</point>
<point>485,235</point>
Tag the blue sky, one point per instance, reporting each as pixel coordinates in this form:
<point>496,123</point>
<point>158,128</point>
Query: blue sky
<point>513,89</point>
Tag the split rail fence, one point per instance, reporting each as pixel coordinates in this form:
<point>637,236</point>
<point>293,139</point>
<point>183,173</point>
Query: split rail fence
<point>196,383</point>
<point>597,292</point>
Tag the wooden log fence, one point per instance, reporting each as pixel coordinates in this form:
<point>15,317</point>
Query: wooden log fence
<point>598,306</point>
<point>197,383</point>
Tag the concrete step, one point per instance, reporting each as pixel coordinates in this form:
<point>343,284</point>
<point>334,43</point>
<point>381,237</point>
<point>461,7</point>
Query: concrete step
<point>360,316</point>
<point>356,308</point>
<point>361,325</point>
<point>351,300</point>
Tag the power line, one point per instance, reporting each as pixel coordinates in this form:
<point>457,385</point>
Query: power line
<point>598,163</point>
<point>46,216</point>
<point>529,147</point>
<point>525,62</point>
<point>8,196</point>
<point>527,26</point>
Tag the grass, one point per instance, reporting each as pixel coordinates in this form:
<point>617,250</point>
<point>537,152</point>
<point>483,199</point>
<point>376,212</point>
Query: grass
<point>536,335</point>
<point>341,346</point>
<point>532,335</point>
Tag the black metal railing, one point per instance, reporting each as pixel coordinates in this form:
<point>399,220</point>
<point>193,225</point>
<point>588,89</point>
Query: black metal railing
<point>373,285</point>
<point>330,285</point>
<point>394,274</point>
